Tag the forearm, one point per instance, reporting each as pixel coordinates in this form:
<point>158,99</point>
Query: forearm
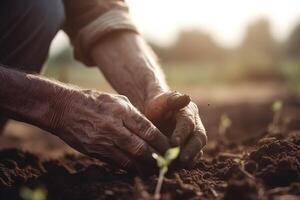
<point>130,66</point>
<point>31,99</point>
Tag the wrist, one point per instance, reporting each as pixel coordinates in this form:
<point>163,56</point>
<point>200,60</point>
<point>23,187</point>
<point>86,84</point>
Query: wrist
<point>130,66</point>
<point>59,104</point>
<point>32,99</point>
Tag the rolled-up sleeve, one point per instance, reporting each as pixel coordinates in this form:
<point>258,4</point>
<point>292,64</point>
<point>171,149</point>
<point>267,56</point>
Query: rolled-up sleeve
<point>87,21</point>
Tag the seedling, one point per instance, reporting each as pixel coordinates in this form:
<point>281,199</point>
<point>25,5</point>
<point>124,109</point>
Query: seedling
<point>33,194</point>
<point>163,164</point>
<point>225,123</point>
<point>277,109</point>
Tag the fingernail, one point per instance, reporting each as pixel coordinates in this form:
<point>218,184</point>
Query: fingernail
<point>181,101</point>
<point>184,99</point>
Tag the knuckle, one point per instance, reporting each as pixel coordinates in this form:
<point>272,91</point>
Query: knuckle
<point>124,98</point>
<point>106,97</point>
<point>121,106</point>
<point>190,123</point>
<point>186,121</point>
<point>150,133</point>
<point>185,113</point>
<point>193,107</point>
<point>139,149</point>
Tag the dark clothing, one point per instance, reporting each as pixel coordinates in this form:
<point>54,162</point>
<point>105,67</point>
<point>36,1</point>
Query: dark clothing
<point>26,31</point>
<point>28,27</point>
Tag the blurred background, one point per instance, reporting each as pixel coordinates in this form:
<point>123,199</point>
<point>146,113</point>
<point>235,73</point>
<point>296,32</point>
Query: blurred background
<point>231,56</point>
<point>213,50</point>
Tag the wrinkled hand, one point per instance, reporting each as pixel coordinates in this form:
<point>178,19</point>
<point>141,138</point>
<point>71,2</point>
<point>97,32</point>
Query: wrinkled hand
<point>176,116</point>
<point>108,127</point>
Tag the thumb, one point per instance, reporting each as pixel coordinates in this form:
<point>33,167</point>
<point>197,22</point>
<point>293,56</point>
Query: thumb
<point>176,101</point>
<point>166,103</point>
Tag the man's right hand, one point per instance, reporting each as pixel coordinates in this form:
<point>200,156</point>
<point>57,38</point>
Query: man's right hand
<point>110,128</point>
<point>102,125</point>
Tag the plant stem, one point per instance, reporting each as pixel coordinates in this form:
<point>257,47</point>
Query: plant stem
<point>276,118</point>
<point>159,184</point>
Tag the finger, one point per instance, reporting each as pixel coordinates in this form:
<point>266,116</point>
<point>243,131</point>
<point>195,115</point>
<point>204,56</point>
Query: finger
<point>196,142</point>
<point>184,126</point>
<point>176,101</point>
<point>142,127</point>
<point>167,103</point>
<point>134,145</point>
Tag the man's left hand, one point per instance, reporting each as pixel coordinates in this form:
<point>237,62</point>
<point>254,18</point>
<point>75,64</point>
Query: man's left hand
<point>176,116</point>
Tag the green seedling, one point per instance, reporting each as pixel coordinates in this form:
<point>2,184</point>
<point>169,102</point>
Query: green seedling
<point>225,123</point>
<point>277,106</point>
<point>163,164</point>
<point>33,194</point>
<point>277,109</point>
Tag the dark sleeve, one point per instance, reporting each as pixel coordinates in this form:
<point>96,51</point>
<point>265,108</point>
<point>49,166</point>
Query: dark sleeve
<point>89,20</point>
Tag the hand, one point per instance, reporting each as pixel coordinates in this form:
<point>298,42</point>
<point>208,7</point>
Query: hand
<point>176,116</point>
<point>108,127</point>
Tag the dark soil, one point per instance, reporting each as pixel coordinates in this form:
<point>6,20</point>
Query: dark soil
<point>265,165</point>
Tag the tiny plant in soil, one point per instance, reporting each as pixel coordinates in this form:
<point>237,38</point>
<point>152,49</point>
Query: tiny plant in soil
<point>163,164</point>
<point>225,123</point>
<point>277,109</point>
<point>33,194</point>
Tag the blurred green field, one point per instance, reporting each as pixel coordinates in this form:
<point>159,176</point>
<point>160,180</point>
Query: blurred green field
<point>196,60</point>
<point>182,74</point>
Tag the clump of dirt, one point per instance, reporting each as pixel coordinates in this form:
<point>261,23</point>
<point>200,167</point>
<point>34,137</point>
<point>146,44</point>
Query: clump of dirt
<point>270,170</point>
<point>278,162</point>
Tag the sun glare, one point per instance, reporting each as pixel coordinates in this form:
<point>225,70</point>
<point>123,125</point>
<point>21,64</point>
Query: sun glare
<point>226,20</point>
<point>160,20</point>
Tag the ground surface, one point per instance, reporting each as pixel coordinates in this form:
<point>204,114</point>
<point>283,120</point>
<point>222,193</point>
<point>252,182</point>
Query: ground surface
<point>251,161</point>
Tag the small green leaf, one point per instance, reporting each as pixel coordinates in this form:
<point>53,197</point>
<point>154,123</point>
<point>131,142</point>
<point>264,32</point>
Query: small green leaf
<point>161,162</point>
<point>277,106</point>
<point>33,194</point>
<point>172,154</point>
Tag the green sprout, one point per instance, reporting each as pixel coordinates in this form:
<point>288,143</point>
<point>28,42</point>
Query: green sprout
<point>277,106</point>
<point>225,123</point>
<point>277,110</point>
<point>163,164</point>
<point>39,193</point>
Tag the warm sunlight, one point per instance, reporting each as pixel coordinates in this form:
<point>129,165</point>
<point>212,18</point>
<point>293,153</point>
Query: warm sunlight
<point>225,20</point>
<point>160,21</point>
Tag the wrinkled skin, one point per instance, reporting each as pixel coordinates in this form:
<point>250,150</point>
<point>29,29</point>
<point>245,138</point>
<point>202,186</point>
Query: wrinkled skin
<point>108,127</point>
<point>178,117</point>
<point>130,66</point>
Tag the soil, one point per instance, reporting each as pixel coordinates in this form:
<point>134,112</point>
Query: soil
<point>253,160</point>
